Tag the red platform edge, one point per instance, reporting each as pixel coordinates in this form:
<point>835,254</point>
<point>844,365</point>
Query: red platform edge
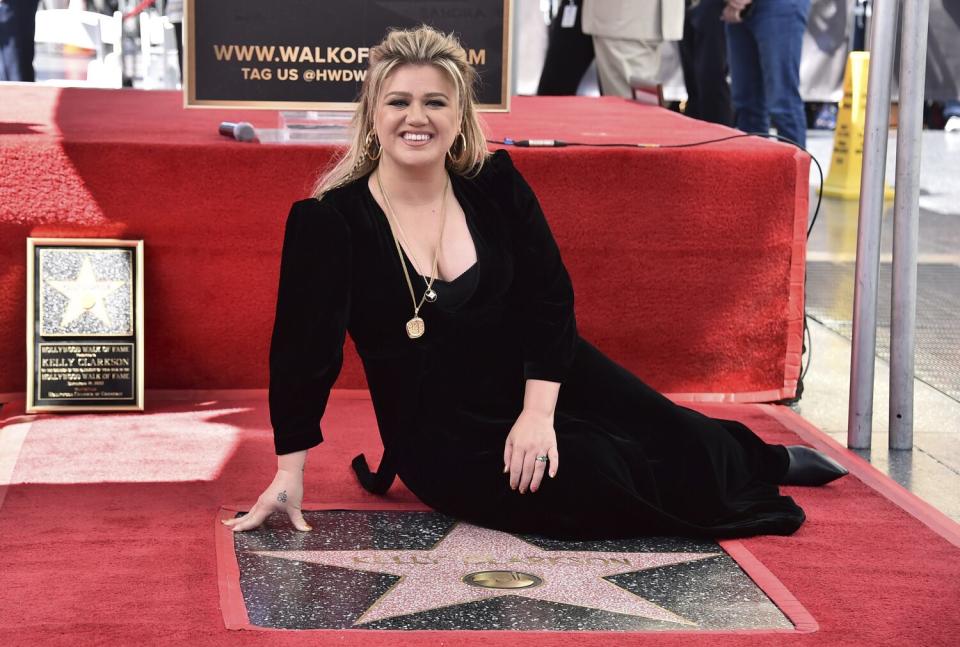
<point>793,358</point>
<point>235,610</point>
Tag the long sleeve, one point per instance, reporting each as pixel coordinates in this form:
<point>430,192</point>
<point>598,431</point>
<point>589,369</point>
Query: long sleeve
<point>545,294</point>
<point>313,302</point>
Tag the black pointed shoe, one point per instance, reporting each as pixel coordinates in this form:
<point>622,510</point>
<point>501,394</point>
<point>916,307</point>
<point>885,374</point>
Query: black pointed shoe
<point>810,467</point>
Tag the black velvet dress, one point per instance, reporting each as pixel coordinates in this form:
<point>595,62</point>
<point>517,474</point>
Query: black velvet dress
<point>631,461</point>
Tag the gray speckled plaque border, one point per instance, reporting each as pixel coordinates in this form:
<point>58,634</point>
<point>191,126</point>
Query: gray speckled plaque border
<point>69,274</point>
<point>404,570</point>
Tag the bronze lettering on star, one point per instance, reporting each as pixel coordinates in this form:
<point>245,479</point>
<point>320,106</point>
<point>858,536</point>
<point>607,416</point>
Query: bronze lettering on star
<point>491,560</point>
<point>84,324</point>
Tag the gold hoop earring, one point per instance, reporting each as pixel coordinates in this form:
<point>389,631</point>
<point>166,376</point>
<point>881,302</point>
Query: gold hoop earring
<point>463,148</point>
<point>371,138</point>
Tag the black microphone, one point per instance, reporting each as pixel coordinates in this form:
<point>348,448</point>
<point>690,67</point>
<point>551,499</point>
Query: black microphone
<point>241,131</point>
<point>535,143</point>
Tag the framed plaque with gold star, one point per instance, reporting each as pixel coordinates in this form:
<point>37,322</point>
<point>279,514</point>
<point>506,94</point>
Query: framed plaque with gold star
<point>84,324</point>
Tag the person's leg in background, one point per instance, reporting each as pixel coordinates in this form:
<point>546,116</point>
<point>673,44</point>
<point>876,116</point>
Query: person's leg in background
<point>777,27</point>
<point>703,57</point>
<point>569,54</point>
<point>18,19</point>
<point>951,116</point>
<point>619,59</point>
<point>746,80</point>
<point>9,67</point>
<point>178,31</point>
<point>173,9</point>
<point>688,56</point>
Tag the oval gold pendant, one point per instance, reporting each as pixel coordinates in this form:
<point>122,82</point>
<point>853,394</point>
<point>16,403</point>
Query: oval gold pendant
<point>415,328</point>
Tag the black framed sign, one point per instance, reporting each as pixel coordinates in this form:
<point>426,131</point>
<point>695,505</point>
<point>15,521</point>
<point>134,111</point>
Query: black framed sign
<point>84,324</point>
<point>313,54</point>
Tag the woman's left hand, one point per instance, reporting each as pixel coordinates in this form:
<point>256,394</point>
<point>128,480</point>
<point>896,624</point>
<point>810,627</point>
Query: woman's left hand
<point>532,435</point>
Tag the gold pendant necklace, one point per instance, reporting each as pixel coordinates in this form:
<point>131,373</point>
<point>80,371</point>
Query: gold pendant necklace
<point>416,326</point>
<point>430,294</point>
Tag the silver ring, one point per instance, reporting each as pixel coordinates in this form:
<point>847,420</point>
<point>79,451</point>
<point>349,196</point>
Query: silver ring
<point>543,459</point>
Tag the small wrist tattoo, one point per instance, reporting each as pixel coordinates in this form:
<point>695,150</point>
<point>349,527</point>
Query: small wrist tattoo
<point>282,497</point>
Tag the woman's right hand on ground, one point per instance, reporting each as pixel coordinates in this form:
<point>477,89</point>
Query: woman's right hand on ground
<point>284,494</point>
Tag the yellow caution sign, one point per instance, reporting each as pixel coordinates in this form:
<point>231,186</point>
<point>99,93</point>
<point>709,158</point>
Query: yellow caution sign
<point>846,165</point>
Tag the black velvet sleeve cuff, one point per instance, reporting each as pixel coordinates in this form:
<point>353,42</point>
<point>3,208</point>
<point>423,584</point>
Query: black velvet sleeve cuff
<point>295,441</point>
<point>539,371</point>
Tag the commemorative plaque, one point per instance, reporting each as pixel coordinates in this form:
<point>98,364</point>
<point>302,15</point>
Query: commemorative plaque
<point>84,324</point>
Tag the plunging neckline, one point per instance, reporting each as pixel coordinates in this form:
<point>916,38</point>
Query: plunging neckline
<point>459,276</point>
<point>467,216</point>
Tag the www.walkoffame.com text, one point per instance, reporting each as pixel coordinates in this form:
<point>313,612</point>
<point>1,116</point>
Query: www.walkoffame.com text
<point>309,54</point>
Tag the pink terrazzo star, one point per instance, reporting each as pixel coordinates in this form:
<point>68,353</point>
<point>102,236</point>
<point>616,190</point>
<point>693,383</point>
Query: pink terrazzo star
<point>431,579</point>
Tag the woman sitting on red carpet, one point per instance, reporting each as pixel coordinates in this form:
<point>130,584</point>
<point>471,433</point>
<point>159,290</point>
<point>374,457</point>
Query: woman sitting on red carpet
<point>436,257</point>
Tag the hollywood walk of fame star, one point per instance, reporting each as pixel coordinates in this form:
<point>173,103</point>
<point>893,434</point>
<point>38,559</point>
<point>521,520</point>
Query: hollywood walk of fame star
<point>86,294</point>
<point>432,579</point>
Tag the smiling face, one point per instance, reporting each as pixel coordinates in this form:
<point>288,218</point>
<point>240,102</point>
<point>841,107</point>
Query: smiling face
<point>417,116</point>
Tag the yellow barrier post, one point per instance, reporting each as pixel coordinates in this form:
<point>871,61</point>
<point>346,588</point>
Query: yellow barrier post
<point>846,164</point>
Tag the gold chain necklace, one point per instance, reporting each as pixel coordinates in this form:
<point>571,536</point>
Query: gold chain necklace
<point>430,295</point>
<point>416,327</point>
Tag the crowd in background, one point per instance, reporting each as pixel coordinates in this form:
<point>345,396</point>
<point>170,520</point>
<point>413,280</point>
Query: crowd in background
<point>18,26</point>
<point>740,58</point>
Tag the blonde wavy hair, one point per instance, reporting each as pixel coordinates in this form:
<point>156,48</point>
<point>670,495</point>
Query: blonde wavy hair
<point>420,46</point>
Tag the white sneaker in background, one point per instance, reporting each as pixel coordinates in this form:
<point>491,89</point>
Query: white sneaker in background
<point>952,125</point>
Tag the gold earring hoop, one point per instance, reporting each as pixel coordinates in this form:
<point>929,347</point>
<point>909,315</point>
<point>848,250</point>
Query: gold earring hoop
<point>371,139</point>
<point>463,148</point>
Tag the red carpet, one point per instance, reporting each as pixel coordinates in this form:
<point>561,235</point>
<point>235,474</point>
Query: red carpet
<point>108,539</point>
<point>688,263</point>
